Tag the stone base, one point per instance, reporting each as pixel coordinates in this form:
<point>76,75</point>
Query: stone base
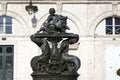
<point>63,76</point>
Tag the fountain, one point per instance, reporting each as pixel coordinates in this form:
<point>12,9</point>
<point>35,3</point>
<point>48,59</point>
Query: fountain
<point>55,63</point>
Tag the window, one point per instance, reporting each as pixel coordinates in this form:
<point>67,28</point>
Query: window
<point>113,26</point>
<point>6,62</point>
<point>5,25</point>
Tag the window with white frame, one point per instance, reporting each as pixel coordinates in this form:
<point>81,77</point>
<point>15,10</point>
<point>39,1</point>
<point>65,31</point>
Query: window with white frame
<point>113,26</point>
<point>5,25</point>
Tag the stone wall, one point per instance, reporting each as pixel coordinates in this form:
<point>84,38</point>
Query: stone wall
<point>83,19</point>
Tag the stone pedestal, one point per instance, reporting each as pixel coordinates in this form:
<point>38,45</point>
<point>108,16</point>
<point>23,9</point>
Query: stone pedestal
<point>64,76</point>
<point>55,63</point>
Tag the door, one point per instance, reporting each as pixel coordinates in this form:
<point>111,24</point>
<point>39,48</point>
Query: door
<point>112,62</point>
<point>6,62</point>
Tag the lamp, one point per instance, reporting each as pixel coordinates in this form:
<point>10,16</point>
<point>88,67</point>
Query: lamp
<point>34,21</point>
<point>31,9</point>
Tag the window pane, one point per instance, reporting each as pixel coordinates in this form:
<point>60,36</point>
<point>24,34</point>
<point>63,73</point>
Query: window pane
<point>109,30</point>
<point>1,50</point>
<point>1,20</point>
<point>117,29</point>
<point>109,21</point>
<point>9,50</point>
<point>1,77</point>
<point>8,20</point>
<point>5,25</point>
<point>1,25</point>
<point>8,29</point>
<point>1,28</point>
<point>1,70</point>
<point>9,68</point>
<point>0,62</point>
<point>117,21</point>
<point>9,62</point>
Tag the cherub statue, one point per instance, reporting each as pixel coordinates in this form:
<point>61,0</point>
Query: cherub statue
<point>54,23</point>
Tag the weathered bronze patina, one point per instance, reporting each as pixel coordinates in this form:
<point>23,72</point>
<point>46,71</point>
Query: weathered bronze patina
<point>55,63</point>
<point>118,72</point>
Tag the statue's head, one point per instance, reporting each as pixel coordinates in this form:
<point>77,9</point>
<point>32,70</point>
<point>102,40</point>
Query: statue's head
<point>52,11</point>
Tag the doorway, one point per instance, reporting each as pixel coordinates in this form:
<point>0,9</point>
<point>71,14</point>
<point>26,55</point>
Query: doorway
<point>6,62</point>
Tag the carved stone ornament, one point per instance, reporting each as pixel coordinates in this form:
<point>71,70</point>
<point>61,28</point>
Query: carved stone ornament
<point>55,60</point>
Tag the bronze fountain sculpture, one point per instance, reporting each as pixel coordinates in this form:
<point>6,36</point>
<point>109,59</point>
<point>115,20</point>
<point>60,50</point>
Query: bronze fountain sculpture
<point>55,63</point>
<point>118,72</point>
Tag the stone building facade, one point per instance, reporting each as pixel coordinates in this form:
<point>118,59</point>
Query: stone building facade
<point>96,21</point>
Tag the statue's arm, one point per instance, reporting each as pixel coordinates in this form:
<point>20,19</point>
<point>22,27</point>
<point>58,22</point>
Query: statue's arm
<point>38,41</point>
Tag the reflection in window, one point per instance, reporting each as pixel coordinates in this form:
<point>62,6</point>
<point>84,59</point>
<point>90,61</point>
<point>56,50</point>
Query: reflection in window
<point>117,21</point>
<point>109,30</point>
<point>9,49</point>
<point>1,25</point>
<point>112,26</point>
<point>8,20</point>
<point>8,29</point>
<point>109,21</point>
<point>9,62</point>
<point>117,29</point>
<point>5,25</point>
<point>1,50</point>
<point>9,69</point>
<point>0,62</point>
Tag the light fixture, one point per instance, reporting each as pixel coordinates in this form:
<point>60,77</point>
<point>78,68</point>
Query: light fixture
<point>34,21</point>
<point>31,9</point>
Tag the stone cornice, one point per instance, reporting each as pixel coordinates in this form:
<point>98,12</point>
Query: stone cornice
<point>63,1</point>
